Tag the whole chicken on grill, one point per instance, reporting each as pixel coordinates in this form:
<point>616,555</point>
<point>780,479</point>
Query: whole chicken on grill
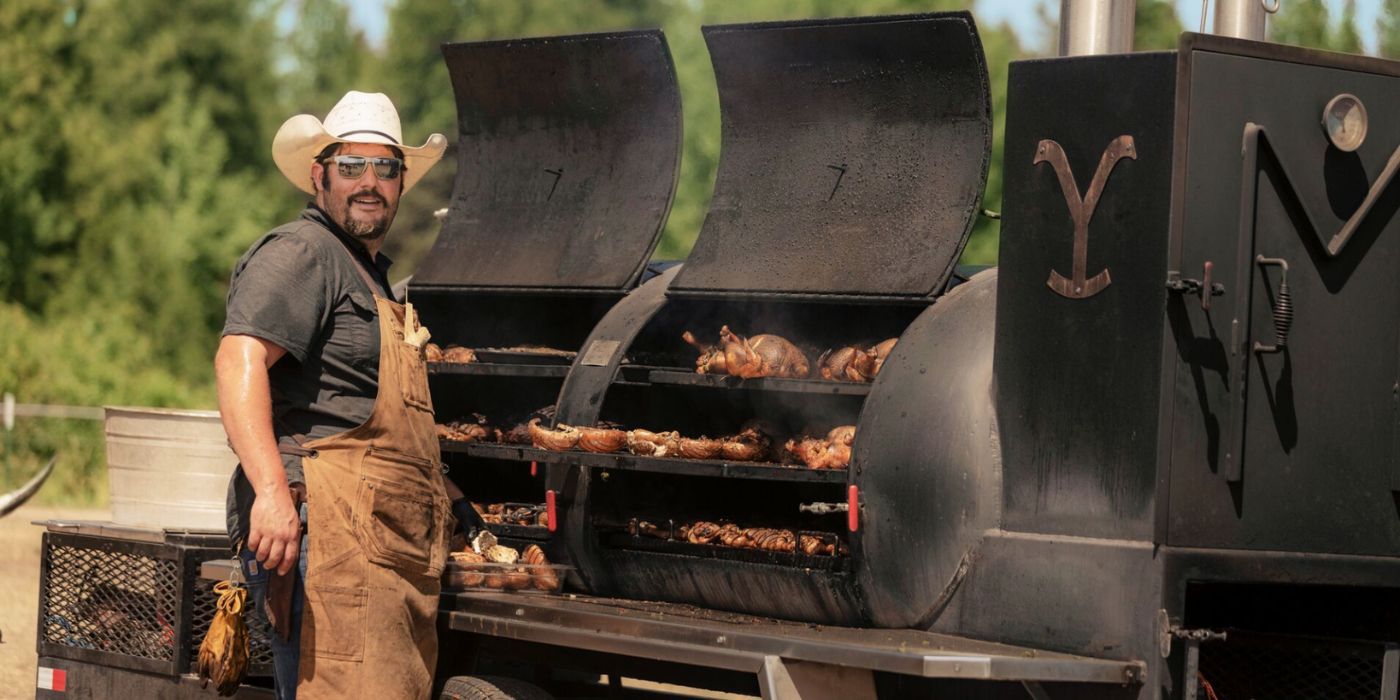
<point>830,452</point>
<point>867,363</point>
<point>458,354</point>
<point>843,364</point>
<point>711,360</point>
<point>432,353</point>
<point>763,355</point>
<point>751,444</point>
<point>879,353</point>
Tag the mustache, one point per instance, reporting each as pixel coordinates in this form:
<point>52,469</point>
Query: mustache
<point>367,193</point>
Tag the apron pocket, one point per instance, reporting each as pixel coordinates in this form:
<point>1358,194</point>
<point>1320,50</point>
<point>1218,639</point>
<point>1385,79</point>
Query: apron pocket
<point>413,377</point>
<point>395,513</point>
<point>335,622</point>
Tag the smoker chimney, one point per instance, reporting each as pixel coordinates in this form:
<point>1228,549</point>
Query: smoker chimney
<point>1243,19</point>
<point>1090,27</point>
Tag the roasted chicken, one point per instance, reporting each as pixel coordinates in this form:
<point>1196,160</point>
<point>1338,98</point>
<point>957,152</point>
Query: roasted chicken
<point>562,438</point>
<point>751,444</point>
<point>474,430</point>
<point>601,439</point>
<point>699,448</point>
<point>757,356</point>
<point>843,364</point>
<point>711,360</point>
<point>830,452</point>
<point>459,354</point>
<point>648,444</point>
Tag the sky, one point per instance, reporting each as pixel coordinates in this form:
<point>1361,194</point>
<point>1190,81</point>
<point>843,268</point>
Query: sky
<point>371,16</point>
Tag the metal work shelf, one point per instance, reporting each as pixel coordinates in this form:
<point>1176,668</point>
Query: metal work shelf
<point>713,639</point>
<point>766,471</point>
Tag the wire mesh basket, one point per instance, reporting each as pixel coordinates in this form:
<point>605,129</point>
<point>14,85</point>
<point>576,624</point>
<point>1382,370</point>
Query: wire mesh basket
<point>1247,666</point>
<point>133,600</point>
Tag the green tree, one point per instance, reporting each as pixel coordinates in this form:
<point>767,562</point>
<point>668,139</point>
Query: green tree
<point>1301,23</point>
<point>1156,26</point>
<point>1347,37</point>
<point>1388,29</point>
<point>329,57</point>
<point>145,170</point>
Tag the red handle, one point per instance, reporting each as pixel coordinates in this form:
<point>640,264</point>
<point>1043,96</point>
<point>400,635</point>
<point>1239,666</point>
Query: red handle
<point>549,511</point>
<point>534,468</point>
<point>853,508</point>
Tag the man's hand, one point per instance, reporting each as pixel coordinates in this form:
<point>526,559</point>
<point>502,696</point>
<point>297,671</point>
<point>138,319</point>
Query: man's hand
<point>274,532</point>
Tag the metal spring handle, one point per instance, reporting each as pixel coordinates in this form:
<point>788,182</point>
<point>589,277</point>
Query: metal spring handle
<point>1283,308</point>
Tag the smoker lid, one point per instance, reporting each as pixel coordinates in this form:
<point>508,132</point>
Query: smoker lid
<point>568,154</point>
<point>853,158</point>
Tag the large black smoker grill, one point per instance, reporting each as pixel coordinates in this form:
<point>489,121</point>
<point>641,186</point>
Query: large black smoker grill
<point>568,154</point>
<point>1155,455</point>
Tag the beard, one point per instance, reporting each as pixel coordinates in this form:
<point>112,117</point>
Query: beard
<point>365,229</point>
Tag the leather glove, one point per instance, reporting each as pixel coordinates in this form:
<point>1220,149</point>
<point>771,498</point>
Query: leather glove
<point>473,527</point>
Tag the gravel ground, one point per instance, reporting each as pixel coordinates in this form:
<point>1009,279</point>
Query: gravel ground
<point>19,592</point>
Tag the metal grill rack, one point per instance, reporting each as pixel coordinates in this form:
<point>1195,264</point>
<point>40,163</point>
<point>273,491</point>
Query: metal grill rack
<point>1283,667</point>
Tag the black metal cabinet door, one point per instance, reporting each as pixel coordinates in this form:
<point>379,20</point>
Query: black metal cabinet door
<point>1296,449</point>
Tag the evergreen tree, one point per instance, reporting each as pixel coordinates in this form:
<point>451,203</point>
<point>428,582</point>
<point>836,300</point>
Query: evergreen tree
<point>1301,23</point>
<point>1388,29</point>
<point>1347,37</point>
<point>329,57</point>
<point>1156,26</point>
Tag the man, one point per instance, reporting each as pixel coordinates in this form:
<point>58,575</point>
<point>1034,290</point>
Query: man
<point>338,507</point>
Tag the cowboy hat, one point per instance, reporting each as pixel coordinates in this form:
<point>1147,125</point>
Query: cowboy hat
<point>359,117</point>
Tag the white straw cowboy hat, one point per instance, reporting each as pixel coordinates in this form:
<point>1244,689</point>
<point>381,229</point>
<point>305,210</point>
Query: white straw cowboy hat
<point>359,117</point>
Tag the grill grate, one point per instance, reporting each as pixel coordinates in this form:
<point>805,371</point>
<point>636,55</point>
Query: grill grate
<point>121,602</point>
<point>1289,668</point>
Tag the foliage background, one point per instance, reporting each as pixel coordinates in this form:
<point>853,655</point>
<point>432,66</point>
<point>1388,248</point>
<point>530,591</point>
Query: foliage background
<point>135,138</point>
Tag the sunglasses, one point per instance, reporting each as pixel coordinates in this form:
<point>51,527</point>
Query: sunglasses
<point>385,168</point>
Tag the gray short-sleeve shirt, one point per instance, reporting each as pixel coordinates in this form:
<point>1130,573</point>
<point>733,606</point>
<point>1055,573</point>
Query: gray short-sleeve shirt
<point>297,287</point>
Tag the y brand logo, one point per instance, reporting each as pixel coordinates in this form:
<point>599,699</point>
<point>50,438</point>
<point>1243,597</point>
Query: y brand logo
<point>1079,286</point>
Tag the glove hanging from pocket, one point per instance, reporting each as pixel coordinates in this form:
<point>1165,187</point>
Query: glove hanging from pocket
<point>223,656</point>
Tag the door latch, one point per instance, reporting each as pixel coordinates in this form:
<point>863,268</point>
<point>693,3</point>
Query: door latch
<point>1176,283</point>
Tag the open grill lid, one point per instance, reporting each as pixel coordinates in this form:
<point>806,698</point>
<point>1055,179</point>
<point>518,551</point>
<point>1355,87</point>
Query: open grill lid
<point>854,156</point>
<point>568,154</point>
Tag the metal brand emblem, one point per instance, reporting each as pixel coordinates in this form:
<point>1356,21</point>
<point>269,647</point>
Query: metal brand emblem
<point>1081,210</point>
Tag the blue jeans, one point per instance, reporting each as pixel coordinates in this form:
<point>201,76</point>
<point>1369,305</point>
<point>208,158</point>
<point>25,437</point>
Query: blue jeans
<point>286,654</point>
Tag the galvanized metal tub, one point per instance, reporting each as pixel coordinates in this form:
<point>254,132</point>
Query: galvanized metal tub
<point>168,468</point>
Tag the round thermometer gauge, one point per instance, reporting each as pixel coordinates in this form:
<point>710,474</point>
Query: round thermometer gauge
<point>1344,120</point>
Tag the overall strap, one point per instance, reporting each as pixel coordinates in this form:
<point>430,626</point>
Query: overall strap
<point>371,286</point>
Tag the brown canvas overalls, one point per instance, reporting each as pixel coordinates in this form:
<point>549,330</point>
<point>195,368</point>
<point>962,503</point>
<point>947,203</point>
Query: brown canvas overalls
<point>378,525</point>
